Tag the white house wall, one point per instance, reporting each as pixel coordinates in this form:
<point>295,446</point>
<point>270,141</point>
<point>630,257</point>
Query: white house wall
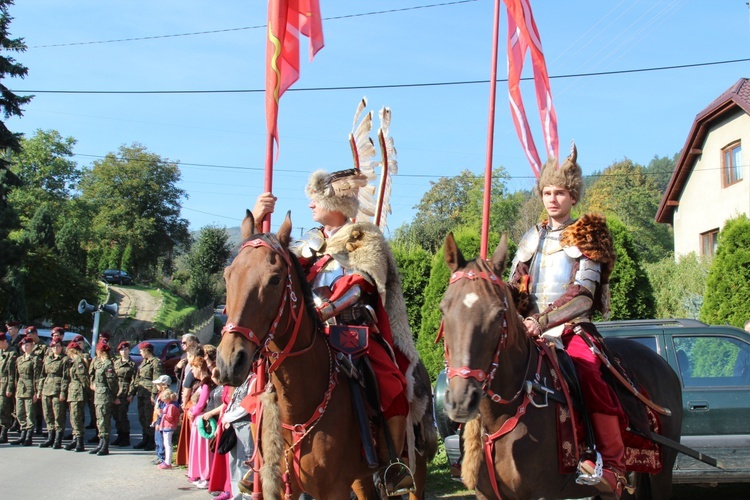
<point>704,204</point>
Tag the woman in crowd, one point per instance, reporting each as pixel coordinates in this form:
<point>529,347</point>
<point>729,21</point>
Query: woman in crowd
<point>199,456</point>
<point>54,393</point>
<point>28,389</point>
<point>127,372</point>
<point>78,376</point>
<point>219,480</point>
<point>105,387</point>
<point>191,346</point>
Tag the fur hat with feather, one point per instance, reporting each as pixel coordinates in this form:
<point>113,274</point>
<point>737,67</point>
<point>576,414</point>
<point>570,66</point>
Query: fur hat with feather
<point>569,175</point>
<point>336,191</point>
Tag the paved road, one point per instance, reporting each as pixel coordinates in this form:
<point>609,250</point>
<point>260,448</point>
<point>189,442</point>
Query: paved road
<point>31,472</point>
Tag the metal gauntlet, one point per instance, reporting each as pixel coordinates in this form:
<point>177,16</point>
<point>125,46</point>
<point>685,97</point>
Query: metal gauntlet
<point>575,308</point>
<point>327,310</point>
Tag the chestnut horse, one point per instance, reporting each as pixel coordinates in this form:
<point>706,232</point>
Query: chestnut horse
<point>489,357</point>
<point>271,321</point>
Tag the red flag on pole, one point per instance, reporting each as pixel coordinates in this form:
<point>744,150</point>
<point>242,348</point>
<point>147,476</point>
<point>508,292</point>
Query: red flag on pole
<point>287,18</point>
<point>523,36</point>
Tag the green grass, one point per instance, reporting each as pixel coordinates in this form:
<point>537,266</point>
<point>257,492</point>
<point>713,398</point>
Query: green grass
<point>173,309</point>
<point>439,482</point>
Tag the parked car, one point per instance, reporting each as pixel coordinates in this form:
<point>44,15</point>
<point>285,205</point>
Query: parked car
<point>713,364</point>
<point>45,335</point>
<point>169,351</point>
<point>116,277</point>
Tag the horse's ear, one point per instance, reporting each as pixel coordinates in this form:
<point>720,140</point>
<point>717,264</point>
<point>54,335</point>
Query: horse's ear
<point>285,230</point>
<point>453,256</point>
<point>501,254</point>
<point>247,228</point>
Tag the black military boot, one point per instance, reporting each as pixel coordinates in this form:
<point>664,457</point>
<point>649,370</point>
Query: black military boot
<point>99,447</point>
<point>20,440</point>
<point>125,440</point>
<point>104,448</point>
<point>49,441</point>
<point>15,427</point>
<point>150,444</point>
<point>72,443</point>
<point>58,441</point>
<point>79,443</point>
<point>29,436</point>
<point>140,444</point>
<point>117,441</point>
<point>4,435</point>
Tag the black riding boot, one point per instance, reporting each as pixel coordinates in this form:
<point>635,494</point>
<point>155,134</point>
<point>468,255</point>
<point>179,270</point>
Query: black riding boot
<point>29,435</point>
<point>4,435</point>
<point>50,439</point>
<point>73,443</point>
<point>58,441</point>
<point>20,440</point>
<point>79,443</point>
<point>104,448</point>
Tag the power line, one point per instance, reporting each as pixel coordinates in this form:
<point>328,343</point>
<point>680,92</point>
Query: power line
<point>243,28</point>
<point>386,86</point>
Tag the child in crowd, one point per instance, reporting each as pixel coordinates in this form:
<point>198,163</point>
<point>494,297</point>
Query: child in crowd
<point>170,418</point>
<point>161,384</point>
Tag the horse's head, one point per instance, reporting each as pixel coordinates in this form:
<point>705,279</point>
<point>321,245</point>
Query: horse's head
<point>258,290</point>
<point>478,323</point>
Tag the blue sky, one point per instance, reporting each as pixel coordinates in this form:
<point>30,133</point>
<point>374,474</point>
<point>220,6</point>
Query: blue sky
<point>219,138</point>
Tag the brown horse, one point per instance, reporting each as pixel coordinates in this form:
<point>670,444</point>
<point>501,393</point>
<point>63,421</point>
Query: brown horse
<point>485,340</point>
<point>271,321</point>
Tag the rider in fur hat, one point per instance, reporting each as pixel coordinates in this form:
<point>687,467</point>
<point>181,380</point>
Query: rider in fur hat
<point>352,273</point>
<point>560,278</point>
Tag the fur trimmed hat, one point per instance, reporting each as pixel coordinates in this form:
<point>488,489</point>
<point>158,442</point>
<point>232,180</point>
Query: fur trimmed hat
<point>569,175</point>
<point>337,191</point>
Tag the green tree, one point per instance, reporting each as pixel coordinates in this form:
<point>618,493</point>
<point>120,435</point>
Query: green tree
<point>660,169</point>
<point>206,261</point>
<point>11,249</point>
<point>627,191</point>
<point>678,286</point>
<point>414,268</point>
<point>48,173</point>
<point>137,203</point>
<point>727,298</point>
<point>631,294</point>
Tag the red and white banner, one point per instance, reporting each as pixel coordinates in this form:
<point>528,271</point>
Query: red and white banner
<point>522,37</point>
<point>286,19</point>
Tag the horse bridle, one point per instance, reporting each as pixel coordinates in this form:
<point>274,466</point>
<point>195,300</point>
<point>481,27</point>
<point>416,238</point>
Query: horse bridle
<point>483,377</point>
<point>276,357</point>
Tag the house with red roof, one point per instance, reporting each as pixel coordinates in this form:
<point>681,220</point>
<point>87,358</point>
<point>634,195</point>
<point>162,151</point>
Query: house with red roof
<point>710,183</point>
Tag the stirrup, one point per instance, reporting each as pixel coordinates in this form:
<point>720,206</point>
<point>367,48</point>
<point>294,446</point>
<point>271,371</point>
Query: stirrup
<point>590,471</point>
<point>398,479</point>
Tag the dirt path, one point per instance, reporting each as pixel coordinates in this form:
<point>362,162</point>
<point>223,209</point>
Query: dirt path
<point>137,310</point>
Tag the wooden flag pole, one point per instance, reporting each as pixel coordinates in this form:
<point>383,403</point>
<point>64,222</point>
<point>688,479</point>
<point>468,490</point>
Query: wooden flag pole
<point>268,182</point>
<point>490,137</point>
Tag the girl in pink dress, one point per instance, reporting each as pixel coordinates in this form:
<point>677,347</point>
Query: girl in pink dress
<point>199,456</point>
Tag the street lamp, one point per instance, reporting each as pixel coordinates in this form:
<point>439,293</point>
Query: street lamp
<point>84,307</point>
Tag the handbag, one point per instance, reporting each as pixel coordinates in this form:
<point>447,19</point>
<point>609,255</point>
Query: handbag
<point>227,441</point>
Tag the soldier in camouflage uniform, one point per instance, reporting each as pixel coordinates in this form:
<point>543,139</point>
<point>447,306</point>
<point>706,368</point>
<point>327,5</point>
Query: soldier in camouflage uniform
<point>150,369</point>
<point>40,350</point>
<point>28,389</point>
<point>127,372</point>
<point>79,383</point>
<point>105,387</point>
<point>14,328</point>
<point>8,358</point>
<point>54,392</point>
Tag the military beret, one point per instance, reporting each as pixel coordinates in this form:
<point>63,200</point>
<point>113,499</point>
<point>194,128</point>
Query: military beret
<point>12,323</point>
<point>58,329</point>
<point>30,329</point>
<point>78,338</point>
<point>74,345</point>
<point>146,345</point>
<point>55,342</point>
<point>105,335</point>
<point>102,346</point>
<point>123,345</point>
<point>25,340</point>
